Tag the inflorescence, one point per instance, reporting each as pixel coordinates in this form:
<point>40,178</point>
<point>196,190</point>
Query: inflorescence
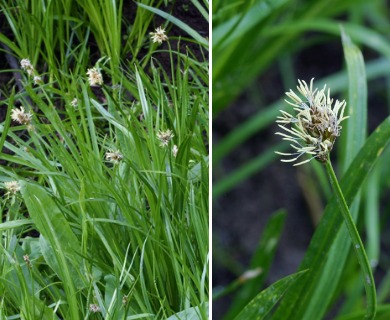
<point>95,78</point>
<point>11,187</point>
<point>316,125</point>
<point>27,66</point>
<point>159,35</point>
<point>165,137</point>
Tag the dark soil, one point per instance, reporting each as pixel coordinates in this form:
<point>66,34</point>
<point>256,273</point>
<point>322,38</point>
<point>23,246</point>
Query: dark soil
<point>240,215</point>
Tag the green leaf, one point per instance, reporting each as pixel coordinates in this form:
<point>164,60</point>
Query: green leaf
<point>360,252</point>
<point>52,260</point>
<point>274,40</point>
<point>355,127</point>
<point>193,313</point>
<point>263,303</point>
<point>246,170</point>
<point>141,316</point>
<point>297,299</point>
<point>262,260</point>
<point>195,35</point>
<point>237,27</point>
<point>371,216</point>
<point>383,313</point>
<point>4,128</point>
<point>14,224</point>
<point>62,245</point>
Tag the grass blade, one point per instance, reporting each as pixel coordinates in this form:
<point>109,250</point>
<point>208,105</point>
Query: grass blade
<point>246,170</point>
<point>263,303</point>
<point>59,241</point>
<point>195,35</point>
<point>262,260</point>
<point>383,313</point>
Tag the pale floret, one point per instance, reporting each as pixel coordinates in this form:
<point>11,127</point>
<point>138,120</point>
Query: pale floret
<point>37,80</point>
<point>74,103</point>
<point>165,137</point>
<point>159,35</point>
<point>94,308</point>
<point>114,156</point>
<point>26,65</point>
<point>316,125</point>
<point>21,116</point>
<point>12,187</point>
<point>94,77</point>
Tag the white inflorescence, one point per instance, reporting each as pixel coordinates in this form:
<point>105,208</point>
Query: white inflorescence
<point>315,127</point>
<point>114,156</point>
<point>94,77</point>
<point>165,137</point>
<point>27,66</point>
<point>12,187</point>
<point>94,308</point>
<point>74,103</point>
<point>21,116</point>
<point>159,36</point>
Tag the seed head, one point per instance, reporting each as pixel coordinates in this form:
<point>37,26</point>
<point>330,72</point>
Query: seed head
<point>315,127</point>
<point>114,156</point>
<point>159,36</point>
<point>26,65</point>
<point>94,77</point>
<point>21,116</point>
<point>94,308</point>
<point>165,137</point>
<point>12,187</point>
<point>74,103</point>
<point>27,260</point>
<point>37,80</point>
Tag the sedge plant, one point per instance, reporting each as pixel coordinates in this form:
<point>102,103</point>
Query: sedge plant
<point>262,46</point>
<point>104,169</point>
<point>313,131</point>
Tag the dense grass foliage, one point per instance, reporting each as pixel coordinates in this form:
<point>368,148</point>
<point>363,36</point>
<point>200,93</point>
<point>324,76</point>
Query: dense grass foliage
<point>107,216</point>
<point>266,40</point>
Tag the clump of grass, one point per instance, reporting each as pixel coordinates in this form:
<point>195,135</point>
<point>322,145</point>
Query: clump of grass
<point>102,219</point>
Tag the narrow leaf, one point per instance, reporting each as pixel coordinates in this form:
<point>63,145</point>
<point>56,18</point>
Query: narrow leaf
<point>263,303</point>
<point>59,244</point>
<point>262,260</point>
<point>195,35</point>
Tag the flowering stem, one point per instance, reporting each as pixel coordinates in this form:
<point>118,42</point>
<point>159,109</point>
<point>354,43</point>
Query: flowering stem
<point>357,243</point>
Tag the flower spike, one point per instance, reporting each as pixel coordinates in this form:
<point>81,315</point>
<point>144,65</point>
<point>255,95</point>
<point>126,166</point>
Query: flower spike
<point>315,127</point>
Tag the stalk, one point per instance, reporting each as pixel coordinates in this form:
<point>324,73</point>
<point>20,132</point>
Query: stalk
<point>357,243</point>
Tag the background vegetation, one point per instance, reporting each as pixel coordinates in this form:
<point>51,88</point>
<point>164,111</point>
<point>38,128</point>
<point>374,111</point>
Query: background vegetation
<point>111,220</point>
<point>276,220</point>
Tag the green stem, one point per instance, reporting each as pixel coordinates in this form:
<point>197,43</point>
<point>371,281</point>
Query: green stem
<point>357,243</point>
